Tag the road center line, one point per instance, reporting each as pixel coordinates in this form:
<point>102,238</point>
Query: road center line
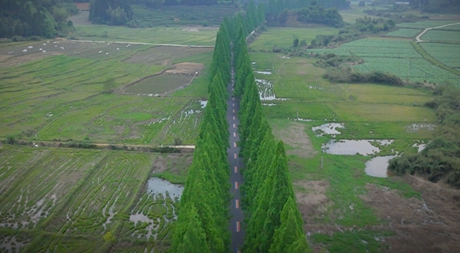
<point>236,169</point>
<point>234,134</point>
<point>237,203</point>
<point>236,185</point>
<point>234,144</point>
<point>237,226</point>
<point>234,125</point>
<point>235,156</point>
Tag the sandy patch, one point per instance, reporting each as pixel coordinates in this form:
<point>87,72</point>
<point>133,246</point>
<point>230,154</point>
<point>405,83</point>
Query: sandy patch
<point>294,135</point>
<point>187,68</point>
<point>311,200</point>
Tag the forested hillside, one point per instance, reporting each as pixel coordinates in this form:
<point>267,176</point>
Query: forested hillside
<point>35,17</point>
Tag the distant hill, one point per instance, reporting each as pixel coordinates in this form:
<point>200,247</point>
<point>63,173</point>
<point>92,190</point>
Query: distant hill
<point>27,18</point>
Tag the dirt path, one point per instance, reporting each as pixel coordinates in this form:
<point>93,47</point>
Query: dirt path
<point>418,40</point>
<point>142,43</point>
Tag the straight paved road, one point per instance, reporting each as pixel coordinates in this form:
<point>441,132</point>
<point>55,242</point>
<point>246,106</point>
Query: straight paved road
<point>236,178</point>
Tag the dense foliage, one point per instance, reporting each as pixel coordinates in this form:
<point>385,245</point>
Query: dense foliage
<point>440,160</point>
<point>202,224</point>
<point>28,18</point>
<point>276,10</point>
<point>273,221</point>
<point>320,15</point>
<point>111,12</point>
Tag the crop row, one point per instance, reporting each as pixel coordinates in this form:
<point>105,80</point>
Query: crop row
<point>445,53</point>
<point>404,32</point>
<point>442,36</point>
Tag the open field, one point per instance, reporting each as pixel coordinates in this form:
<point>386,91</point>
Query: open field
<point>404,32</point>
<point>283,36</point>
<point>213,15</point>
<point>195,36</point>
<point>77,196</point>
<point>395,56</point>
<point>65,92</point>
<point>426,23</point>
<point>442,36</point>
<point>445,53</point>
<point>341,205</point>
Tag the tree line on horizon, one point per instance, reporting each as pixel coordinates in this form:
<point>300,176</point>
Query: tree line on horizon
<point>273,222</point>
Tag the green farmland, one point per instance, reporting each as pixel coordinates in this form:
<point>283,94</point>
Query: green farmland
<point>122,94</point>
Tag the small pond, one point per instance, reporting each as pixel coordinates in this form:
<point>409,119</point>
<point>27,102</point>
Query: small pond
<point>377,166</point>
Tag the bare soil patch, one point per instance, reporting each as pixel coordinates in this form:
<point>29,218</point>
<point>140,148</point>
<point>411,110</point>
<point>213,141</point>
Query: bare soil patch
<point>295,136</point>
<point>311,200</point>
<point>174,163</point>
<point>159,55</point>
<point>187,68</point>
<point>427,225</point>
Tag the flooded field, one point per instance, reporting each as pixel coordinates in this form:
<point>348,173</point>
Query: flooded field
<point>354,147</point>
<point>330,129</point>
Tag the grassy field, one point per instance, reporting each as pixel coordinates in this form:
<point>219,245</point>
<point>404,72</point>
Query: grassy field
<point>368,111</point>
<point>66,95</point>
<point>212,15</point>
<point>284,36</point>
<point>203,36</point>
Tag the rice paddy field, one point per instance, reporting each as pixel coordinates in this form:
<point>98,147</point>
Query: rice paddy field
<point>426,24</point>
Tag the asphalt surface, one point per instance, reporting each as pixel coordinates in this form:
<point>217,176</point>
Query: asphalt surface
<point>236,179</point>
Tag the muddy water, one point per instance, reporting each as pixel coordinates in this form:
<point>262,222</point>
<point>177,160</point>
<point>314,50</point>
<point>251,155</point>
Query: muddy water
<point>330,128</point>
<point>159,186</point>
<point>377,166</point>
<point>350,147</point>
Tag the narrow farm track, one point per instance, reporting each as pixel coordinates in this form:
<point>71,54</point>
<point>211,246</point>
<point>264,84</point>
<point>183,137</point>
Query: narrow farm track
<point>418,40</point>
<point>142,43</point>
<point>236,179</point>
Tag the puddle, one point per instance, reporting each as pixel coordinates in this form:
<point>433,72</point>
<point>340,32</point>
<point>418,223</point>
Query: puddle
<point>384,142</point>
<point>264,72</point>
<point>304,120</point>
<point>419,146</point>
<point>266,91</point>
<point>11,244</point>
<point>268,104</point>
<point>315,87</point>
<point>329,128</point>
<point>350,147</point>
<point>203,103</point>
<point>157,186</point>
<point>377,166</point>
<point>417,127</point>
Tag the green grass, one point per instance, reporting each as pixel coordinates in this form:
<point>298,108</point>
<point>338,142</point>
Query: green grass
<point>426,23</point>
<point>64,97</point>
<point>159,84</point>
<point>185,15</point>
<point>448,54</point>
<point>283,36</point>
<point>404,32</point>
<point>156,35</point>
<point>442,36</point>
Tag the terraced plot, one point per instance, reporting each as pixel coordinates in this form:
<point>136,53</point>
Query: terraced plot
<point>396,57</point>
<point>449,54</point>
<point>426,23</point>
<point>442,36</point>
<point>75,92</point>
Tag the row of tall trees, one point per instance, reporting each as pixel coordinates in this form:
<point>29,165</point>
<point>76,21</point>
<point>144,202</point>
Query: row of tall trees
<point>273,221</point>
<point>35,17</point>
<point>203,218</point>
